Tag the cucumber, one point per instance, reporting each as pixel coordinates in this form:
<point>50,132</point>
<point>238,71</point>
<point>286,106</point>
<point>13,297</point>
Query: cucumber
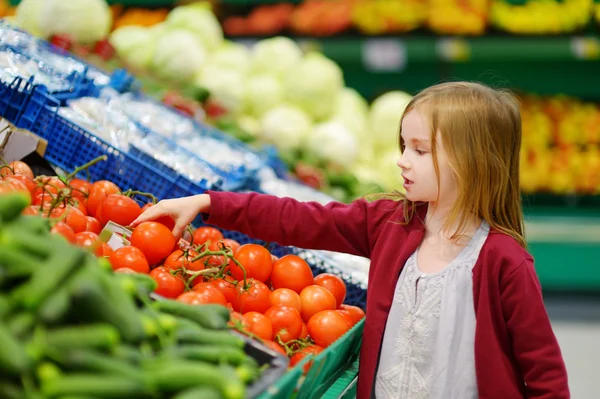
<point>136,284</point>
<point>215,354</point>
<point>87,360</point>
<point>31,243</point>
<point>21,323</point>
<point>10,391</point>
<point>17,264</point>
<point>179,375</point>
<point>13,357</point>
<point>5,306</point>
<point>98,336</point>
<point>199,393</point>
<point>101,386</point>
<point>198,335</point>
<point>11,206</point>
<point>213,317</point>
<point>128,353</point>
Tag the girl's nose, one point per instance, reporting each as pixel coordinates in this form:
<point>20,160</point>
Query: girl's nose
<point>403,162</point>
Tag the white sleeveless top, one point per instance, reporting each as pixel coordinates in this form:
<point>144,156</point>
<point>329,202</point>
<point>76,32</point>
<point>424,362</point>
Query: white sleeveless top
<point>428,349</point>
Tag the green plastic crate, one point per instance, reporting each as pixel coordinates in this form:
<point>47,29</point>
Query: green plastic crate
<point>345,386</point>
<point>325,370</point>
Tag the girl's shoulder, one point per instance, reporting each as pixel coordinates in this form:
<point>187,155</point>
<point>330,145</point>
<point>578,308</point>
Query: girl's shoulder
<point>502,254</point>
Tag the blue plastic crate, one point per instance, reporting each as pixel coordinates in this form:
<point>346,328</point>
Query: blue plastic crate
<point>14,97</point>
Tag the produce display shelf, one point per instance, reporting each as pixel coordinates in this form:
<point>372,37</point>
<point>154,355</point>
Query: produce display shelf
<point>345,386</point>
<point>131,3</point>
<point>412,62</point>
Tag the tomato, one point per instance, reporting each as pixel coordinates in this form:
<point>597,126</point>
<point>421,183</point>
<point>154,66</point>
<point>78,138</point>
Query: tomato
<point>48,184</point>
<point>258,324</point>
<point>255,259</point>
<point>26,180</point>
<point>99,191</point>
<point>32,210</point>
<point>274,346</point>
<point>304,333</point>
<point>16,168</point>
<point>169,286</point>
<point>291,272</point>
<point>73,217</point>
<point>92,224</point>
<point>315,299</point>
<point>119,209</point>
<point>126,270</point>
<point>286,321</point>
<point>206,234</point>
<point>229,243</point>
<point>346,316</point>
<point>286,297</point>
<point>326,327</point>
<point>107,250</point>
<point>80,188</point>
<point>180,259</point>
<point>12,185</point>
<point>333,284</point>
<point>89,240</point>
<point>355,312</point>
<point>227,286</point>
<point>255,298</point>
<point>166,220</point>
<point>154,239</point>
<point>79,203</point>
<point>297,357</point>
<point>43,199</point>
<point>205,293</point>
<point>130,257</point>
<point>64,230</point>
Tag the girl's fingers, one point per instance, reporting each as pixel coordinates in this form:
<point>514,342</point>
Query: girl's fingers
<point>152,213</point>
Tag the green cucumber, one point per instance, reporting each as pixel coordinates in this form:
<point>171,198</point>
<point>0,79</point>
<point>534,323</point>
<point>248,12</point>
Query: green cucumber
<point>13,357</point>
<point>92,336</point>
<point>199,393</point>
<point>87,360</point>
<point>216,354</point>
<point>94,385</point>
<point>213,317</point>
<point>12,204</point>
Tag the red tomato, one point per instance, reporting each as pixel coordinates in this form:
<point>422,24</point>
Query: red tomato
<point>286,297</point>
<point>80,188</point>
<point>26,180</point>
<point>206,234</point>
<point>326,327</point>
<point>119,209</point>
<point>32,210</point>
<point>99,191</point>
<point>255,259</point>
<point>203,293</point>
<point>12,185</point>
<point>274,346</point>
<point>64,230</point>
<point>346,316</point>
<point>297,357</point>
<point>355,312</point>
<point>73,217</point>
<point>92,224</point>
<point>154,239</point>
<point>169,286</point>
<point>235,318</point>
<point>286,321</point>
<point>79,203</point>
<point>107,250</point>
<point>291,272</point>
<point>314,300</point>
<point>255,298</point>
<point>44,199</point>
<point>333,284</point>
<point>227,286</point>
<point>16,168</point>
<point>166,220</point>
<point>126,270</point>
<point>90,241</point>
<point>129,257</point>
<point>258,324</point>
<point>180,259</point>
<point>229,243</point>
<point>48,184</point>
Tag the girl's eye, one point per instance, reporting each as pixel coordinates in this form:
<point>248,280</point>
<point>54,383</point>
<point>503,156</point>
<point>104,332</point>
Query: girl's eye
<point>420,152</point>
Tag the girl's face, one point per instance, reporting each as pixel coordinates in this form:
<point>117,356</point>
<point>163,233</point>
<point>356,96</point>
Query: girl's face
<point>416,163</point>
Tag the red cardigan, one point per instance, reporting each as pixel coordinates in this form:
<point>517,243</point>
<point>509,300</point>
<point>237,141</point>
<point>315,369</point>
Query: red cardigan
<point>516,352</point>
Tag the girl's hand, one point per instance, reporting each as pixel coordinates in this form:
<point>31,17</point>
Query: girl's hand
<point>182,210</point>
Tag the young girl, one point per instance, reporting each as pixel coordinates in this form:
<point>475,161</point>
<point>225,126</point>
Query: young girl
<point>454,306</point>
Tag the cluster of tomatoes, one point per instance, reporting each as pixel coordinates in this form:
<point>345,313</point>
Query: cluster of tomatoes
<point>277,300</point>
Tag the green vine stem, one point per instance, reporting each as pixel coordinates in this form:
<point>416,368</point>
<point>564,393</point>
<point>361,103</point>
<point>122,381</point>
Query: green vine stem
<point>131,193</point>
<point>85,166</point>
<point>226,253</point>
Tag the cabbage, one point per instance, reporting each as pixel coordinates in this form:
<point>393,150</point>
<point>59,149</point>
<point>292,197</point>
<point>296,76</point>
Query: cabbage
<point>86,21</point>
<point>262,92</point>
<point>332,142</point>
<point>384,117</point>
<point>285,126</point>
<point>28,16</point>
<point>275,56</point>
<point>352,111</point>
<point>381,169</point>
<point>232,56</point>
<point>200,21</point>
<point>226,87</point>
<point>178,55</point>
<point>314,84</point>
<point>134,44</point>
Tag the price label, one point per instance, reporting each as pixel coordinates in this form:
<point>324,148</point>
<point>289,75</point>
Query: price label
<point>586,48</point>
<point>384,55</point>
<point>455,50</point>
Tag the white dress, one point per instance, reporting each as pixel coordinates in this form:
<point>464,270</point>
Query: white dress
<point>429,340</point>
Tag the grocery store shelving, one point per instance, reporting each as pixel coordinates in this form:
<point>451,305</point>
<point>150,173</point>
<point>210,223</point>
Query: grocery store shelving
<point>543,65</point>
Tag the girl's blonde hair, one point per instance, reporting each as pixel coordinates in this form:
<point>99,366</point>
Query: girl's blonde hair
<point>480,128</point>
